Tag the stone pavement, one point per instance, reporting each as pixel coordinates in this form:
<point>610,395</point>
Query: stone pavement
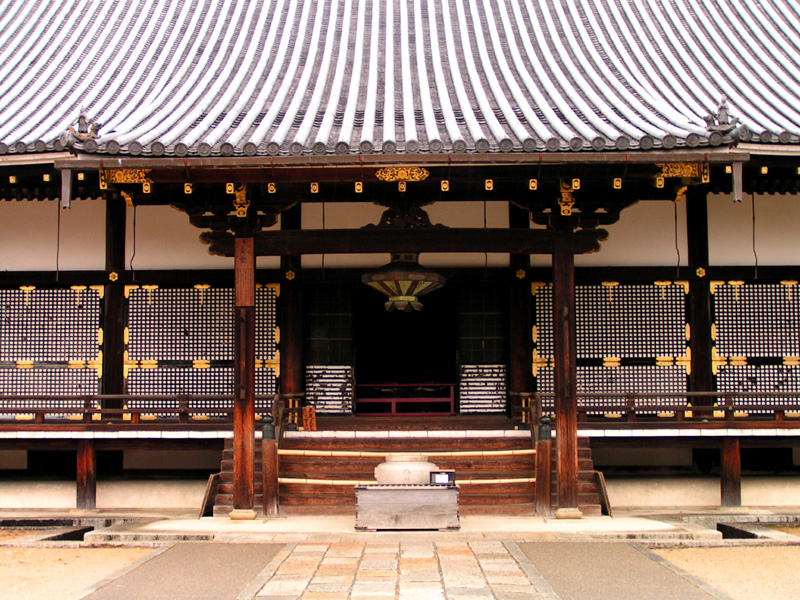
<point>381,568</point>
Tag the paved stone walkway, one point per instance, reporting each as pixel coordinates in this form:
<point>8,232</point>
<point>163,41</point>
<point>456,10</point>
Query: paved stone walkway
<point>455,570</point>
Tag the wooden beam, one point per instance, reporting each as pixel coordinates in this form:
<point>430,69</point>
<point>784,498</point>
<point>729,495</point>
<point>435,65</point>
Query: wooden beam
<point>384,240</point>
<point>731,472</point>
<point>244,377</point>
<point>565,357</point>
<point>86,480</point>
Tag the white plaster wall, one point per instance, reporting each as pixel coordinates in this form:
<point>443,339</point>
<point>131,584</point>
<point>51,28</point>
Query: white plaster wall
<point>643,236</point>
<point>345,215</point>
<point>165,239</point>
<point>777,230</point>
<point>29,236</point>
<point>110,494</point>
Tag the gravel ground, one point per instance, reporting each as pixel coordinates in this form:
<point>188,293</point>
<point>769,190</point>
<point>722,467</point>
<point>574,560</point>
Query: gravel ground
<point>743,572</point>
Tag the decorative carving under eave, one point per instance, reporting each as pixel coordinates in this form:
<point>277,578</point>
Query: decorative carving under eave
<point>404,217</point>
<point>567,201</point>
<point>240,201</point>
<point>392,174</point>
<point>699,171</point>
<point>124,176</point>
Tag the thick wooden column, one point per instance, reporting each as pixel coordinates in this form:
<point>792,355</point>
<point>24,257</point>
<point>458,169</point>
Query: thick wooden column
<point>291,320</point>
<point>701,376</point>
<point>565,372</point>
<point>114,321</point>
<point>244,380</point>
<point>731,472</point>
<point>86,488</point>
<point>519,326</point>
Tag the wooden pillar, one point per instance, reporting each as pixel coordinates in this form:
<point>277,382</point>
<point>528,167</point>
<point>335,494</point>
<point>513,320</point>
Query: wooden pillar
<point>291,315</point>
<point>731,472</point>
<point>86,480</point>
<point>701,376</point>
<point>244,380</point>
<point>544,467</point>
<point>114,320</point>
<point>565,373</point>
<point>519,326</point>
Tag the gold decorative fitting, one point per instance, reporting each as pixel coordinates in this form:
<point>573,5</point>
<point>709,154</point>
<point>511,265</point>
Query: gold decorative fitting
<point>663,285</point>
<point>81,176</point>
<point>201,364</point>
<point>148,364</point>
<point>789,285</point>
<point>489,185</point>
<point>128,198</point>
<point>129,289</point>
<point>146,189</point>
<point>533,184</point>
<point>401,186</point>
<point>728,169</point>
<point>535,285</point>
<point>290,275</point>
<point>521,273</point>
<point>202,287</point>
<point>566,202</point>
<point>737,361</point>
<point>78,289</point>
<point>689,170</point>
<point>764,170</point>
<point>12,179</point>
<point>240,201</point>
<point>277,335</point>
<point>617,183</point>
<point>701,272</point>
<point>275,287</point>
<point>576,184</point>
<point>24,364</point>
<point>187,188</point>
<point>271,188</point>
<point>149,289</point>
<point>230,188</point>
<point>664,361</point>
<point>611,362</point>
<point>659,182</point>
<point>610,285</point>
<point>359,186</point>
<point>314,187</point>
<point>102,181</point>
<point>125,175</point>
<point>46,177</point>
<point>113,276</point>
<point>445,187</point>
<point>791,361</point>
<point>27,289</point>
<point>680,194</point>
<point>390,174</point>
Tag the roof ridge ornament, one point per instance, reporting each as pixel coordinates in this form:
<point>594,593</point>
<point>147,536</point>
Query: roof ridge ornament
<point>87,128</point>
<point>721,122</point>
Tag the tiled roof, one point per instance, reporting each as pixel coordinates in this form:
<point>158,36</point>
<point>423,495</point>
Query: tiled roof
<point>308,77</point>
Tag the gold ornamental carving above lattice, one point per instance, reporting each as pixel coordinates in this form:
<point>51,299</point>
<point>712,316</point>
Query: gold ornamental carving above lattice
<point>691,170</point>
<point>402,174</point>
<point>127,175</point>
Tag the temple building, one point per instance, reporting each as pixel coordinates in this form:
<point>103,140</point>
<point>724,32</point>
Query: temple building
<point>401,221</point>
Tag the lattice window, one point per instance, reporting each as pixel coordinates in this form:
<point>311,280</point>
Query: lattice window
<point>757,320</point>
<point>49,326</point>
<point>329,388</point>
<point>49,344</point>
<point>630,338</point>
<point>757,339</point>
<point>760,378</point>
<point>181,341</point>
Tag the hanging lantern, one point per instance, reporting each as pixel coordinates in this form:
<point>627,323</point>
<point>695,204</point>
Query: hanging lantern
<point>403,280</point>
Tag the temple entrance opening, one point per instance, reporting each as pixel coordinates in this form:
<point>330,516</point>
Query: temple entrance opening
<point>405,362</point>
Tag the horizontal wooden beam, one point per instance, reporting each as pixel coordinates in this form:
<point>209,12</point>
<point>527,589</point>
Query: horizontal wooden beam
<point>380,241</point>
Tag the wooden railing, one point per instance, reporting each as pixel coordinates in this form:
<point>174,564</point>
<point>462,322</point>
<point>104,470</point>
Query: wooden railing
<point>695,407</point>
<point>180,409</point>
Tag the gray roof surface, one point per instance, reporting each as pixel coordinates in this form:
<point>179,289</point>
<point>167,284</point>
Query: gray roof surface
<point>314,77</point>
